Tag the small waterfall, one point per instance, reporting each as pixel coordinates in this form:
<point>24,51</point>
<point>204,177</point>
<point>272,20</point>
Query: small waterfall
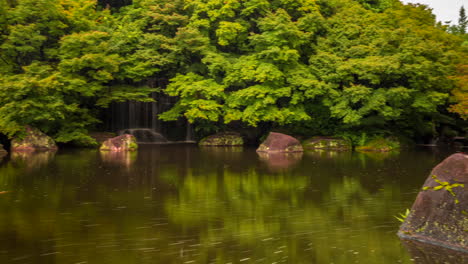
<point>434,142</point>
<point>145,135</point>
<point>189,132</point>
<point>142,118</point>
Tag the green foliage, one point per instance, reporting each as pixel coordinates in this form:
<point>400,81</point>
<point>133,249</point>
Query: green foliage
<point>58,67</point>
<point>446,186</point>
<point>321,67</point>
<point>402,216</point>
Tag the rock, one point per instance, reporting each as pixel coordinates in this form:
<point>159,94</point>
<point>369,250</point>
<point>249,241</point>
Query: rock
<point>439,215</point>
<point>327,143</point>
<point>277,142</point>
<point>34,140</point>
<point>379,144</point>
<point>222,139</point>
<point>124,142</point>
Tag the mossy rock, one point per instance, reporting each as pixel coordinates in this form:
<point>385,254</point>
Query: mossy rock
<point>328,143</point>
<point>34,140</point>
<point>379,144</point>
<point>278,142</point>
<point>222,139</point>
<point>439,214</point>
<point>121,143</point>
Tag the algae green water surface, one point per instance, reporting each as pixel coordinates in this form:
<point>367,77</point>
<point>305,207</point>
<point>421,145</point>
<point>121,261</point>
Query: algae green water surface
<point>184,204</point>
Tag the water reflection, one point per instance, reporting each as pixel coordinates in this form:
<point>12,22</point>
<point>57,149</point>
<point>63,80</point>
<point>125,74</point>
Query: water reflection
<point>32,160</point>
<point>323,154</point>
<point>122,158</point>
<point>424,253</point>
<point>280,161</point>
<point>176,204</point>
<point>378,155</point>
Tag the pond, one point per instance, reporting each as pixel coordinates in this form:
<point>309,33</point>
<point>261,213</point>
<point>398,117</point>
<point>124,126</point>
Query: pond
<point>184,204</point>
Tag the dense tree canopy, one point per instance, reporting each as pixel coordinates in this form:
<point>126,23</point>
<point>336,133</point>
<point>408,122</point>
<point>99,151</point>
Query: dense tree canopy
<point>325,66</point>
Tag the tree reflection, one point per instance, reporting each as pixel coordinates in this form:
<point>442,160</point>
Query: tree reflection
<point>181,205</point>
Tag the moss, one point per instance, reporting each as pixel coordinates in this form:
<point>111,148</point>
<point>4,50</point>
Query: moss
<point>132,145</point>
<point>327,143</point>
<point>295,148</point>
<point>379,144</point>
<point>120,143</point>
<point>33,139</point>
<point>222,139</point>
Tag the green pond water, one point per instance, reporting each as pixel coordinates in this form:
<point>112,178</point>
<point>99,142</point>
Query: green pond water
<point>184,204</point>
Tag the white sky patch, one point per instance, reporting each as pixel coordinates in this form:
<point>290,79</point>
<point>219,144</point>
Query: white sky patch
<point>445,10</point>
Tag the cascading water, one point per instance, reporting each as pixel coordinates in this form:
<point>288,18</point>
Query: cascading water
<point>141,120</point>
<point>145,135</point>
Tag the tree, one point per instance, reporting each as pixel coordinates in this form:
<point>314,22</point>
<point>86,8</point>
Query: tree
<point>325,66</point>
<point>59,67</point>
<point>462,21</point>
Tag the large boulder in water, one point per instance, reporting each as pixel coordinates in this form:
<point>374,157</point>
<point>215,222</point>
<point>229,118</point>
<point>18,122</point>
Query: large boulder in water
<point>34,140</point>
<point>328,143</point>
<point>277,142</point>
<point>223,139</point>
<point>123,142</point>
<point>440,213</point>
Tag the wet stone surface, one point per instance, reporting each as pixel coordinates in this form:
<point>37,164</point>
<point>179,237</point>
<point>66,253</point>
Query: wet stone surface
<point>440,213</point>
<point>277,142</point>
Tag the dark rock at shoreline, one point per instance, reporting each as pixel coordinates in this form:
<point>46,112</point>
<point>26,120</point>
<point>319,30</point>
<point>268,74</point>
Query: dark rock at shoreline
<point>223,139</point>
<point>277,142</point>
<point>124,142</point>
<point>34,140</point>
<point>330,143</point>
<point>439,215</point>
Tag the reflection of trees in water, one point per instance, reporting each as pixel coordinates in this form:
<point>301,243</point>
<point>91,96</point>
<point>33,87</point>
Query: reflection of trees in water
<point>185,204</point>
<point>265,211</point>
